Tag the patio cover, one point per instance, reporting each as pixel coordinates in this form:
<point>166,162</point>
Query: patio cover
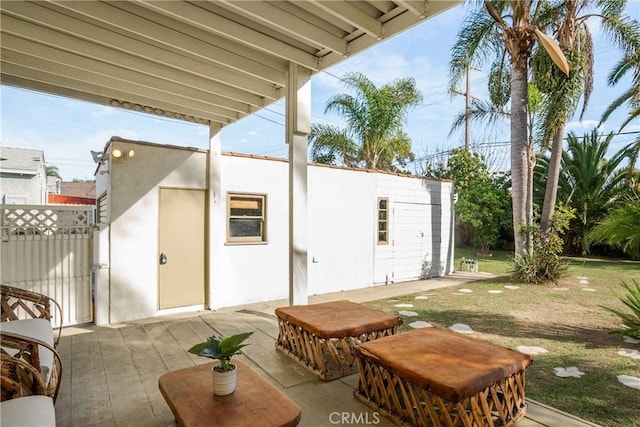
<point>201,61</point>
<point>208,62</point>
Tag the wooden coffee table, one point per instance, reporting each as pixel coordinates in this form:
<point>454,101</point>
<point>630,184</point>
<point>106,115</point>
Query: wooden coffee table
<point>189,394</point>
<point>437,377</point>
<point>322,337</point>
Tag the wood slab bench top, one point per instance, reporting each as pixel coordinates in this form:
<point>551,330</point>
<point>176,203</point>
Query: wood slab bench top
<point>337,319</point>
<point>446,363</point>
<point>255,402</point>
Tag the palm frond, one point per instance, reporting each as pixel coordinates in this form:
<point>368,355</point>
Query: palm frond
<point>615,104</point>
<point>587,72</point>
<point>332,145</point>
<point>631,300</point>
<point>480,112</point>
<point>477,40</point>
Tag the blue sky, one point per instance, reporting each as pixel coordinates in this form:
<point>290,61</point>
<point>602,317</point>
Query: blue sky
<point>67,130</point>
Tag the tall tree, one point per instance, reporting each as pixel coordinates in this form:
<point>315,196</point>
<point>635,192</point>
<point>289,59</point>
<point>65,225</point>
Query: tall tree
<point>490,113</point>
<point>589,182</point>
<point>374,137</point>
<point>509,46</point>
<point>567,19</point>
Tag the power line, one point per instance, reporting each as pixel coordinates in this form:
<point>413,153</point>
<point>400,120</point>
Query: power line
<point>501,144</point>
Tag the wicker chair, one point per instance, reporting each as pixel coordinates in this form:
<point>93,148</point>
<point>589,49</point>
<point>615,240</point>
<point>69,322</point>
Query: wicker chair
<point>31,364</point>
<point>28,411</point>
<point>28,366</point>
<point>17,303</point>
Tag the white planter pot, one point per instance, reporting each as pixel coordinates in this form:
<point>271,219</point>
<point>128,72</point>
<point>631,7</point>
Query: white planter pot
<point>224,383</point>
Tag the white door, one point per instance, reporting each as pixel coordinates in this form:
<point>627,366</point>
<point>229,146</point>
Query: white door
<point>410,239</point>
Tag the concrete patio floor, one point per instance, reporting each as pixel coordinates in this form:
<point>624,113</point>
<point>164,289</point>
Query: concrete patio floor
<point>110,374</point>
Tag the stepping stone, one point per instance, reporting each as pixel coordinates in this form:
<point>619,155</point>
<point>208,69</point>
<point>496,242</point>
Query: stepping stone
<point>394,300</point>
<point>581,278</point>
<point>511,287</point>
<point>560,289</point>
<point>403,305</point>
<point>631,340</point>
<point>571,371</point>
<point>634,354</point>
<point>588,289</point>
<point>466,291</point>
<point>420,324</point>
<point>533,351</point>
<point>422,297</point>
<point>407,313</point>
<point>583,282</point>
<point>629,381</point>
<point>462,328</point>
<point>495,291</point>
<point>458,293</point>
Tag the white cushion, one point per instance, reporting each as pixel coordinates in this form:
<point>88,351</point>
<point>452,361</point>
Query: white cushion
<point>28,411</point>
<point>39,329</point>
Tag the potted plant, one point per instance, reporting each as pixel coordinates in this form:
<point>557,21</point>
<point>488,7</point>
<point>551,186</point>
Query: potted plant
<point>222,349</point>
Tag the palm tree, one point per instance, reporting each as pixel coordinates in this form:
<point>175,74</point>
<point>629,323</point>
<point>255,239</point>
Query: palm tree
<point>568,21</point>
<point>588,182</point>
<point>489,113</point>
<point>53,171</point>
<point>630,62</point>
<point>509,45</point>
<point>620,228</point>
<point>374,116</point>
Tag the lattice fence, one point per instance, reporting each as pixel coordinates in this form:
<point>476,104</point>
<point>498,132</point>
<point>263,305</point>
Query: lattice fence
<point>48,249</point>
<point>17,219</point>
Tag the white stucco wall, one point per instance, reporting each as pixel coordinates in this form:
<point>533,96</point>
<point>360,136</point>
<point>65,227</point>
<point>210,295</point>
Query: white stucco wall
<point>255,272</point>
<point>133,225</point>
<point>342,229</point>
<point>342,218</point>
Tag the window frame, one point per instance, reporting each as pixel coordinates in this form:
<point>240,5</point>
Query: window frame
<point>247,240</point>
<point>384,241</point>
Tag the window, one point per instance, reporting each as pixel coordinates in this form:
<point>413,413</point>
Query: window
<point>383,221</point>
<point>247,218</point>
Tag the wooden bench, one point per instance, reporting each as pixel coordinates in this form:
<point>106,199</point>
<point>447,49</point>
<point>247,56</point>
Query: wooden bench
<point>433,376</point>
<point>255,402</point>
<point>321,337</point>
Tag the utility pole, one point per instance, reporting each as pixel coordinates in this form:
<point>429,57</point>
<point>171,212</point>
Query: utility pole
<point>467,111</point>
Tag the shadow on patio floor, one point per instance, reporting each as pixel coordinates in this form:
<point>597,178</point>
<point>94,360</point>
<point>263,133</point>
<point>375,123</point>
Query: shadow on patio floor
<point>111,373</point>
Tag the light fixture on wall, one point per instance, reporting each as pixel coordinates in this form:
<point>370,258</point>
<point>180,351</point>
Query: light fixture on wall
<point>96,156</point>
<point>117,153</point>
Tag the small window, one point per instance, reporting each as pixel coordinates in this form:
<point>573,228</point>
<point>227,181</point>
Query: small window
<point>383,221</point>
<point>247,218</point>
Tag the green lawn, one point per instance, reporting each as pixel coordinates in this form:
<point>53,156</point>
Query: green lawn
<point>565,319</point>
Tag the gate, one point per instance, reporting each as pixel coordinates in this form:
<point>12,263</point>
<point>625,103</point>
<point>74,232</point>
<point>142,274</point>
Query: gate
<point>48,249</point>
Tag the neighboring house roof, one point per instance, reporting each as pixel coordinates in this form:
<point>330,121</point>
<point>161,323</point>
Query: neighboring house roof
<point>21,160</point>
<point>86,190</point>
<point>61,199</point>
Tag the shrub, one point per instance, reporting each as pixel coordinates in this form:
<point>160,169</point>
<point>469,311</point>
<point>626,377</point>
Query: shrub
<point>539,266</point>
<point>542,262</point>
<point>631,321</point>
